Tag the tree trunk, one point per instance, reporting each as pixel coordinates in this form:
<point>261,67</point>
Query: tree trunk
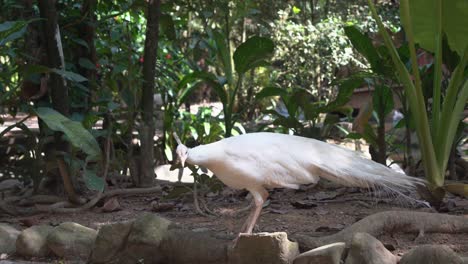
<point>57,88</point>
<point>55,59</point>
<point>147,129</point>
<point>86,31</point>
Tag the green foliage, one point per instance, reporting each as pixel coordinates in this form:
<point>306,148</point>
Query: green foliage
<point>436,133</point>
<point>454,18</point>
<point>74,131</point>
<point>252,54</point>
<point>382,99</point>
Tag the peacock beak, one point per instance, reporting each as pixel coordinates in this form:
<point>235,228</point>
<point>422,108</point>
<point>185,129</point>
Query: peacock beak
<point>182,160</point>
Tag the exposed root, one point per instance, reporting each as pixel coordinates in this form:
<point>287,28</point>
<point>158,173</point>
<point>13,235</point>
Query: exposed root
<point>393,222</point>
<point>40,199</point>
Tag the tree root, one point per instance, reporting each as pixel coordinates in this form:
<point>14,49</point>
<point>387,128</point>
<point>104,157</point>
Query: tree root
<point>392,222</point>
<point>67,207</point>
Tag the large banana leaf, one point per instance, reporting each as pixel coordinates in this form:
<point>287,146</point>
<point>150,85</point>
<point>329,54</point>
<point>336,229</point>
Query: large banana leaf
<point>75,132</point>
<point>454,23</point>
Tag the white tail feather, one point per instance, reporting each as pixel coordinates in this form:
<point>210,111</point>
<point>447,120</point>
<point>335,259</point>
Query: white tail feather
<point>374,176</point>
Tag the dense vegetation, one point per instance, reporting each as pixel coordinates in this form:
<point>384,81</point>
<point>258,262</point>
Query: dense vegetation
<point>105,77</point>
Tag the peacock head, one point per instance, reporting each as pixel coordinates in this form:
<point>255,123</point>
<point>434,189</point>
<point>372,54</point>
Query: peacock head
<point>182,153</point>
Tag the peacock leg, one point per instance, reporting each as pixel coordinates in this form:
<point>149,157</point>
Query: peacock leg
<point>260,197</point>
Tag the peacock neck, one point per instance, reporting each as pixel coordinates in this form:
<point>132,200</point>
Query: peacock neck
<point>203,155</point>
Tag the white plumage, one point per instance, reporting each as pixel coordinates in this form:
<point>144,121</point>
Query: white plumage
<point>258,161</point>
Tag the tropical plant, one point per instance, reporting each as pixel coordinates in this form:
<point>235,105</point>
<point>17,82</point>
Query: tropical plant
<point>436,129</point>
<point>251,54</point>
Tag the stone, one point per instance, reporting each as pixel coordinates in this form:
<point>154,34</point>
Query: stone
<point>72,241</point>
<point>8,236</point>
<point>366,249</point>
<point>433,254</point>
<point>144,239</point>
<point>10,184</point>
<point>32,242</point>
<point>328,254</point>
<point>109,241</point>
<point>272,248</point>
<point>188,247</point>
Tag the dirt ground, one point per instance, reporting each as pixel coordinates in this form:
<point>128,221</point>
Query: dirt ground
<point>312,210</point>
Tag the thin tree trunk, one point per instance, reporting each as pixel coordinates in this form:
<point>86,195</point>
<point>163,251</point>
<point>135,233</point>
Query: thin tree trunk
<point>87,33</point>
<point>149,71</point>
<point>57,88</point>
<point>55,59</point>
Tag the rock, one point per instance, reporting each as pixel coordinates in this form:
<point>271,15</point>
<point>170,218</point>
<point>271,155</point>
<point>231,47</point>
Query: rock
<point>328,254</point>
<point>109,241</point>
<point>10,184</point>
<point>144,239</point>
<point>272,248</point>
<point>365,249</point>
<point>8,235</point>
<point>434,254</point>
<point>72,241</point>
<point>32,242</point>
<point>111,205</point>
<point>187,247</point>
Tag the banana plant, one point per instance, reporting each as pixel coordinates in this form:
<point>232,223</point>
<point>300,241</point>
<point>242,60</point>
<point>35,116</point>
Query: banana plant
<point>253,53</point>
<point>426,22</point>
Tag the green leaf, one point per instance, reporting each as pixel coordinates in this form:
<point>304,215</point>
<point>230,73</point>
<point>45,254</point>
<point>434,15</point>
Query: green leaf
<point>346,89</point>
<point>296,10</point>
<point>252,53</point>
<point>75,132</point>
<point>454,23</point>
<point>223,52</point>
<point>382,99</point>
<point>369,135</point>
<point>363,44</point>
<point>270,91</point>
<point>74,77</point>
<point>288,122</point>
<point>7,25</point>
<point>13,36</point>
<point>86,63</point>
<point>354,136</point>
<point>92,181</point>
